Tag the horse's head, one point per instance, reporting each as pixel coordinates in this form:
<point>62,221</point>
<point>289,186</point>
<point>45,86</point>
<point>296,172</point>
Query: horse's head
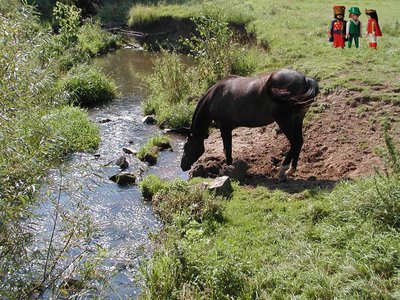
<point>192,150</point>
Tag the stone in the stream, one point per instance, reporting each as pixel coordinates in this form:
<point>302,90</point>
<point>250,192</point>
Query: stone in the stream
<point>150,119</point>
<point>221,186</point>
<point>128,150</point>
<point>122,162</point>
<point>124,178</point>
<point>105,120</point>
<point>150,158</point>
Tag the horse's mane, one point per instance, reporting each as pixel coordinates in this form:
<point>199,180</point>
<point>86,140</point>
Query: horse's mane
<point>200,120</point>
<point>199,128</point>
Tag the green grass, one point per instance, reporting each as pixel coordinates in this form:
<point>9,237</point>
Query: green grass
<point>85,85</point>
<point>271,245</point>
<point>296,35</point>
<point>152,146</point>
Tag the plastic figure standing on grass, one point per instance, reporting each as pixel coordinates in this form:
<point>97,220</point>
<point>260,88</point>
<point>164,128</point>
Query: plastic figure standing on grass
<point>337,30</point>
<point>373,29</point>
<point>353,27</point>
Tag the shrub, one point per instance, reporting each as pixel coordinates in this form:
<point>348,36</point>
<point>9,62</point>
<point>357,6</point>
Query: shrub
<point>152,148</point>
<point>92,40</point>
<point>172,85</point>
<point>85,85</point>
<point>151,185</point>
<point>142,14</point>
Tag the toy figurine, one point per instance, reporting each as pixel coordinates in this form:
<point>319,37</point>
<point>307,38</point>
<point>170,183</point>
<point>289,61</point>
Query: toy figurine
<point>337,30</point>
<point>353,27</point>
<point>373,29</point>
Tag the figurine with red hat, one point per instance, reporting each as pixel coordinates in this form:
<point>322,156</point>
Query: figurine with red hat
<point>337,31</point>
<point>373,29</point>
<point>353,26</point>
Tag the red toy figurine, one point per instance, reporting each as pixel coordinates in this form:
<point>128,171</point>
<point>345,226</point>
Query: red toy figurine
<point>337,31</point>
<point>373,29</point>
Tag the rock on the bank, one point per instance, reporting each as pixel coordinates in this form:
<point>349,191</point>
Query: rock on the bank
<point>221,186</point>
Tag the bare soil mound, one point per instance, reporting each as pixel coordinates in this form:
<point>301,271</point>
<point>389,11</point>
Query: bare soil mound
<point>342,134</point>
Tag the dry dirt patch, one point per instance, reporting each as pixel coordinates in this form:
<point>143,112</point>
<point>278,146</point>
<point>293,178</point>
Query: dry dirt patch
<point>341,136</point>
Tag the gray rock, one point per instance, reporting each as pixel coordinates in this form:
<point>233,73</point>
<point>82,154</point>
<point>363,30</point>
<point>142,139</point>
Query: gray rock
<point>150,119</point>
<point>221,186</point>
<point>237,170</point>
<point>129,150</point>
<point>122,162</point>
<point>124,178</point>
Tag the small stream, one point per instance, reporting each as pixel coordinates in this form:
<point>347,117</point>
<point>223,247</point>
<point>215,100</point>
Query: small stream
<point>122,219</point>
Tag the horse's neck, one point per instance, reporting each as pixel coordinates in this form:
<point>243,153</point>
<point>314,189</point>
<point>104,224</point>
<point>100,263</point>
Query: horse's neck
<point>201,121</point>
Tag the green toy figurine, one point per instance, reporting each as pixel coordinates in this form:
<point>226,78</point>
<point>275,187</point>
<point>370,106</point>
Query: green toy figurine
<point>353,27</point>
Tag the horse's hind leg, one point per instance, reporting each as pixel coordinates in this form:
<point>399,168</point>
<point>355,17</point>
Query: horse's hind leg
<point>226,134</point>
<point>291,130</point>
<point>299,144</point>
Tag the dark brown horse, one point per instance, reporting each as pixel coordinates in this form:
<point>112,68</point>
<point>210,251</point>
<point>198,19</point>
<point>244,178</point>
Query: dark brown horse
<point>282,96</point>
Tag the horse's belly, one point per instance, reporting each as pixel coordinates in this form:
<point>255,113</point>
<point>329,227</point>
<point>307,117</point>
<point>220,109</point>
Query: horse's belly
<point>254,123</point>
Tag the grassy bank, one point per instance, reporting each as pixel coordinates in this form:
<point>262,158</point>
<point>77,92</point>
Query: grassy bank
<point>38,128</point>
<point>296,35</point>
<point>271,245</point>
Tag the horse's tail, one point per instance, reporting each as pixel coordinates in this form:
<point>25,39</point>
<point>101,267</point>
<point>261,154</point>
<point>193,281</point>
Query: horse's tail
<point>281,90</point>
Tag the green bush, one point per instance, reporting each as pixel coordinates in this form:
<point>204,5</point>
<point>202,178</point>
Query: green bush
<point>85,85</point>
<point>114,12</point>
<point>173,86</point>
<point>152,148</point>
<point>151,185</point>
<point>92,40</point>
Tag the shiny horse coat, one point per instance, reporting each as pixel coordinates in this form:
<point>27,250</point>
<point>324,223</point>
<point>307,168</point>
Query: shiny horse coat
<point>283,96</point>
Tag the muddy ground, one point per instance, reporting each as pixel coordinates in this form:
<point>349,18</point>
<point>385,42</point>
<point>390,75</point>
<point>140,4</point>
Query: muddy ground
<point>342,136</point>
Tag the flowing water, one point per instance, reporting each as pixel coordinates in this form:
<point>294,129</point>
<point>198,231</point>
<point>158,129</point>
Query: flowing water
<point>122,220</point>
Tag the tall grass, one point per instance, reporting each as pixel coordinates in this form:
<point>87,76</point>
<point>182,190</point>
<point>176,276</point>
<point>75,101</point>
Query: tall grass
<point>296,37</point>
<point>174,86</point>
<point>341,244</point>
<point>37,129</point>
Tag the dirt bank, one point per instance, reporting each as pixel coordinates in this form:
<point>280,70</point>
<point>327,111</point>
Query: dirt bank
<point>341,138</point>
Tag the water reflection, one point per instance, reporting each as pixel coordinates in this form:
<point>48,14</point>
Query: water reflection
<point>122,219</point>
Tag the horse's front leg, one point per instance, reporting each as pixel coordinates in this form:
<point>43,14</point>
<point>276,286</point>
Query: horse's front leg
<point>226,134</point>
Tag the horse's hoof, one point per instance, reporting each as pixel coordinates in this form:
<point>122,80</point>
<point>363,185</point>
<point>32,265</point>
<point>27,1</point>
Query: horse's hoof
<point>290,172</point>
<point>282,178</point>
<point>282,171</point>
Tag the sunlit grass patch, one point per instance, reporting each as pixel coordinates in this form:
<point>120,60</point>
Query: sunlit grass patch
<point>150,150</point>
<point>87,86</point>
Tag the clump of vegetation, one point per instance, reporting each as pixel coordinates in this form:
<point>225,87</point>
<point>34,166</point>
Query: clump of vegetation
<point>172,86</point>
<point>151,185</point>
<point>149,151</point>
<point>183,202</point>
<point>142,14</point>
<point>37,129</point>
<point>85,85</point>
<point>92,40</point>
<point>114,13</point>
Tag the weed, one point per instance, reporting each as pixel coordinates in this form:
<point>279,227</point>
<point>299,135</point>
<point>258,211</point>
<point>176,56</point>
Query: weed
<point>149,151</point>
